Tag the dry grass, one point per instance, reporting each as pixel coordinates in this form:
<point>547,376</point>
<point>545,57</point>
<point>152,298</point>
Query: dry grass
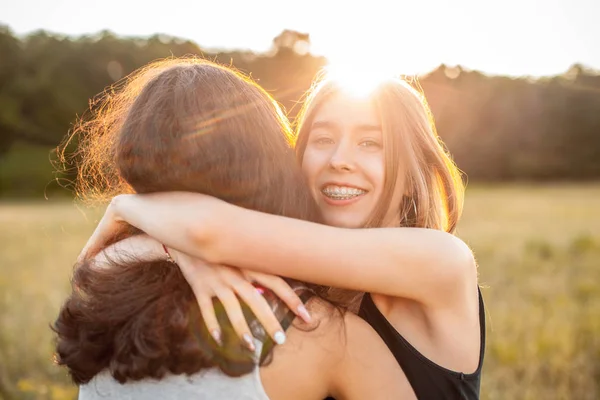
<point>539,254</point>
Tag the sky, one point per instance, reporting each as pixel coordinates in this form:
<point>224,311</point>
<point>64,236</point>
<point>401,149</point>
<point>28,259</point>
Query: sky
<point>510,37</point>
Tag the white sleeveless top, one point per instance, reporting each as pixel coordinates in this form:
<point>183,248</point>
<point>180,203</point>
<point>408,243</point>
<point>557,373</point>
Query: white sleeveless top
<point>208,384</point>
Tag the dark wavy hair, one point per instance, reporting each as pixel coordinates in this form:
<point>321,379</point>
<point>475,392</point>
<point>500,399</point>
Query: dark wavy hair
<point>175,125</point>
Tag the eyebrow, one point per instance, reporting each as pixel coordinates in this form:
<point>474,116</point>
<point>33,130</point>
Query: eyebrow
<point>323,124</point>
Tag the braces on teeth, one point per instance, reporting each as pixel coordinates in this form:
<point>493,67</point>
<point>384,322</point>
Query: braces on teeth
<point>342,193</point>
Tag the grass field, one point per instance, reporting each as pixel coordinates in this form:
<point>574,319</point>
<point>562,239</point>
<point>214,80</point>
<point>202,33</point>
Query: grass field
<point>539,254</point>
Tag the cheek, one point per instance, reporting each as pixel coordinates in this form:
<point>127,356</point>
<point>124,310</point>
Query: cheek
<point>311,164</point>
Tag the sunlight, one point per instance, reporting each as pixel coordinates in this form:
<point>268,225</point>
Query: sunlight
<point>359,79</point>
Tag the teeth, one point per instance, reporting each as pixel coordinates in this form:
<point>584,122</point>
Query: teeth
<point>342,192</point>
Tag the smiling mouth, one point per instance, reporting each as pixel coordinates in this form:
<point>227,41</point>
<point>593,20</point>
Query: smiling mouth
<point>335,192</point>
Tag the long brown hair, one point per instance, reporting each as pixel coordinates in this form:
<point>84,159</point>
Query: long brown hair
<point>185,125</point>
<point>435,190</point>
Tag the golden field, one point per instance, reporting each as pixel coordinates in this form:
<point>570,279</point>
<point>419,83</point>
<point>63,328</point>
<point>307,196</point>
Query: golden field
<point>538,248</point>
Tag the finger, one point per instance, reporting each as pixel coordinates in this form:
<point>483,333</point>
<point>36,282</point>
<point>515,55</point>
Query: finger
<point>234,311</point>
<point>261,309</point>
<point>203,286</point>
<point>207,310</point>
<point>282,290</point>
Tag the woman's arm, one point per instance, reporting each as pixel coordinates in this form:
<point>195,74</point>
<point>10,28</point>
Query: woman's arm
<point>426,265</point>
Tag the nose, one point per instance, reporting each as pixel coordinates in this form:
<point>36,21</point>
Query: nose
<point>341,159</point>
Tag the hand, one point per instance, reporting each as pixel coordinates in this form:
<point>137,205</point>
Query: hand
<point>108,228</point>
<point>225,283</point>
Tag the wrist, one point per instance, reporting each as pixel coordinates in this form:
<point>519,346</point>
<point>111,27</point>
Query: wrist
<point>116,205</point>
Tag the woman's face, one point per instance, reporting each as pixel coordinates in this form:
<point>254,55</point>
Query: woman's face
<point>344,162</point>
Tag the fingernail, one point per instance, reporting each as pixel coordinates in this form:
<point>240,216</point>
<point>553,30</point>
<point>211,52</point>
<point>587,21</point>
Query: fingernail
<point>279,337</point>
<point>216,334</point>
<point>303,312</point>
<point>249,342</point>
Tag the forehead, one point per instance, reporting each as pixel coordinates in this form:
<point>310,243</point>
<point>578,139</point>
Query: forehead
<point>345,110</point>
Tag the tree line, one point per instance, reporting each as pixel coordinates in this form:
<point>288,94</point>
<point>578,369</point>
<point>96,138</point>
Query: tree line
<point>497,128</point>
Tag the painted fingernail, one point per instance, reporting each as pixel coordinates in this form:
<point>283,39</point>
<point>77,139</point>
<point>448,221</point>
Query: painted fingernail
<point>303,312</point>
<point>279,337</point>
<point>249,342</point>
<point>216,334</point>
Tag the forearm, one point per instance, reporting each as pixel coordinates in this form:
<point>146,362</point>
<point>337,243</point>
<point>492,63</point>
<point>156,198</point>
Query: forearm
<point>406,262</point>
<point>182,221</point>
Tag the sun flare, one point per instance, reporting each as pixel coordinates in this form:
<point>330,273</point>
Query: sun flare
<point>359,79</point>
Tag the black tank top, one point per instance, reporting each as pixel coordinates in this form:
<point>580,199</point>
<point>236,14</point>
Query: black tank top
<point>428,380</point>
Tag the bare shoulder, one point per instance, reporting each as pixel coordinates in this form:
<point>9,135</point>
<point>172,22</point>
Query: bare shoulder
<point>302,368</point>
<point>368,368</point>
<point>337,355</point>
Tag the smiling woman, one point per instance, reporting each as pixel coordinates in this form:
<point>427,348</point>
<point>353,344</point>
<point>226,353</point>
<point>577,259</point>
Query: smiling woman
<point>375,133</point>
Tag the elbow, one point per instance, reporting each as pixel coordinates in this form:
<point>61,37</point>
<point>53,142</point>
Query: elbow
<point>462,267</point>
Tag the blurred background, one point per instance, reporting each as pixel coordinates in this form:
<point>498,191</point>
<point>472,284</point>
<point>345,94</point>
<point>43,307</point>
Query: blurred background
<point>515,91</point>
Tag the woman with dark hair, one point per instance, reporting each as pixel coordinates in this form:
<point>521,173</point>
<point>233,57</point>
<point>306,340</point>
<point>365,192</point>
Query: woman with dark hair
<point>132,327</point>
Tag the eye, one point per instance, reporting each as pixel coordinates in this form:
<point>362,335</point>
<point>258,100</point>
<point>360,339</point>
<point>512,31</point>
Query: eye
<point>370,143</point>
<point>322,140</point>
